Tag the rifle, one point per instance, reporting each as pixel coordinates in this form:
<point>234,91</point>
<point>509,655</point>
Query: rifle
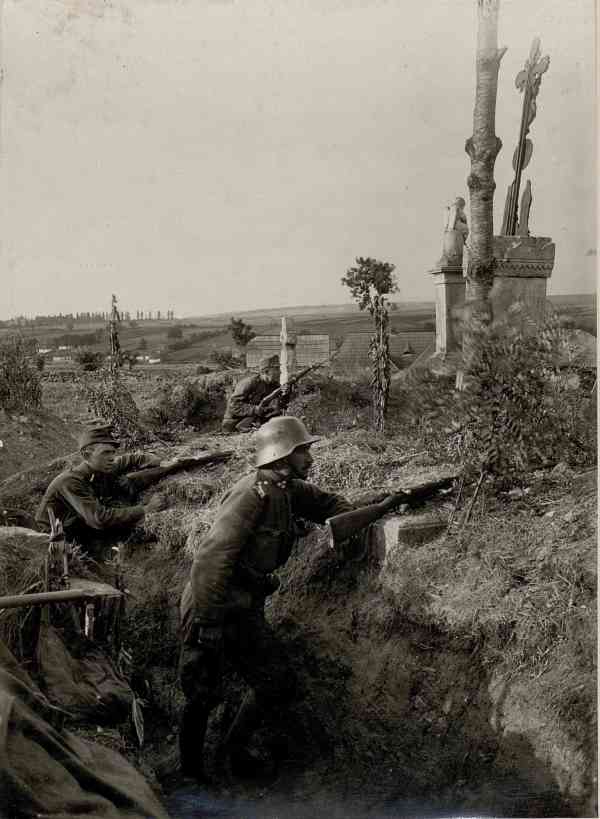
<point>342,527</point>
<point>142,478</point>
<point>293,380</point>
<point>13,601</point>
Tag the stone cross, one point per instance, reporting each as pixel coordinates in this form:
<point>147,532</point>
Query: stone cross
<point>287,358</point>
<point>528,81</point>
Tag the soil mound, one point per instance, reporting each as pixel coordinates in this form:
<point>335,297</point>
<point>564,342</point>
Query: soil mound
<point>31,438</point>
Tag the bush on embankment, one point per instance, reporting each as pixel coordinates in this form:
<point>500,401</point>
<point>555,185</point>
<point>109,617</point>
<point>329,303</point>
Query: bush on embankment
<point>519,408</point>
<point>20,386</point>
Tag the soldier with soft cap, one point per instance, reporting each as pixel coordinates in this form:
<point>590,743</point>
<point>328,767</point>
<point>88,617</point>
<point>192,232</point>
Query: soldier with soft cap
<point>244,412</point>
<point>82,497</point>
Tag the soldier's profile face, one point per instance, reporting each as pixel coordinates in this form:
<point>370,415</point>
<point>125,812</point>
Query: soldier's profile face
<point>270,374</point>
<point>102,458</point>
<point>301,460</point>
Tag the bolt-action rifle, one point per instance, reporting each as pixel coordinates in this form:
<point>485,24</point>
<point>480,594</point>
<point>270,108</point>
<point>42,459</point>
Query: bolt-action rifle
<point>342,527</point>
<point>142,478</point>
<point>14,601</point>
<point>290,383</point>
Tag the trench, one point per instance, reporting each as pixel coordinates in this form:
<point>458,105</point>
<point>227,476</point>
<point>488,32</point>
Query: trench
<point>390,718</point>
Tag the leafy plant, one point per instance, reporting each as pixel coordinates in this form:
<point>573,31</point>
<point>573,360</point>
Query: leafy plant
<point>108,398</point>
<point>518,409</point>
<point>20,386</point>
<point>369,282</point>
<point>241,332</point>
<point>88,360</point>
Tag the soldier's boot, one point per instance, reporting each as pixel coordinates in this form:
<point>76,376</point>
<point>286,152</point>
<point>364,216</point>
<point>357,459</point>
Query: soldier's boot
<point>192,730</point>
<point>244,762</point>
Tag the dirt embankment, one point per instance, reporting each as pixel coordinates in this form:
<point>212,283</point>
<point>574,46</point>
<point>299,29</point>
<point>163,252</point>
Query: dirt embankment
<point>32,438</point>
<point>455,676</point>
<point>413,699</point>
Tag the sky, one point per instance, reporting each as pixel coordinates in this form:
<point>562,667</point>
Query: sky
<point>219,155</point>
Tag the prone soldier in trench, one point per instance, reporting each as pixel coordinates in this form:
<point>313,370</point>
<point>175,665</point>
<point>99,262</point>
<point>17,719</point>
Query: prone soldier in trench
<point>223,603</point>
<point>84,497</point>
<point>244,411</point>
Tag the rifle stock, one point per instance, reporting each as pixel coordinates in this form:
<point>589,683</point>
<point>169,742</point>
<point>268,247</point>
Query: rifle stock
<point>342,527</point>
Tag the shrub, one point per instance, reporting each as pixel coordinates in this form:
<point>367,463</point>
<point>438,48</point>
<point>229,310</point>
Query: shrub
<point>241,333</point>
<point>20,385</point>
<point>517,410</point>
<point>109,399</point>
<point>88,360</point>
<point>328,404</point>
<point>186,405</point>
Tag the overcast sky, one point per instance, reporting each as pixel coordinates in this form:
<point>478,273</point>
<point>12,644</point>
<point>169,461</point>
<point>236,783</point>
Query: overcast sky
<point>216,155</point>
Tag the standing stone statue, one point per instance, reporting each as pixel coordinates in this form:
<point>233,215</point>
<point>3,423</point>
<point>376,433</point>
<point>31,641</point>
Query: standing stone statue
<point>456,231</point>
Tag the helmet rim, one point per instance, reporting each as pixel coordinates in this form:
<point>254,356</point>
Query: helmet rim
<point>279,437</point>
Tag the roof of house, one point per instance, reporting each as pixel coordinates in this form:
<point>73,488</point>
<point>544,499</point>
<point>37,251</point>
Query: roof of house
<point>404,349</point>
<point>310,349</point>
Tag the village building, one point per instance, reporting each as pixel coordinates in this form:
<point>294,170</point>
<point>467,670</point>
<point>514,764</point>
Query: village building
<point>309,349</point>
<point>405,349</point>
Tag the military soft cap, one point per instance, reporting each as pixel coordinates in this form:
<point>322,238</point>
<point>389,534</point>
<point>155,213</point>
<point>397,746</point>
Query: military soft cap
<point>97,435</point>
<point>267,362</point>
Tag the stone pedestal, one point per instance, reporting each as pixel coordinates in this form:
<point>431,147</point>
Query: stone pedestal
<point>523,266</point>
<point>449,296</point>
<point>399,532</point>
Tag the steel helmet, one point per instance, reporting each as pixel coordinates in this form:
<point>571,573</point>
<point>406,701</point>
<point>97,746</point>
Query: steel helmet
<point>279,437</point>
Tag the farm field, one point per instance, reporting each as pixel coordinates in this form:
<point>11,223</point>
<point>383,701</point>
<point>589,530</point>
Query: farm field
<point>151,337</point>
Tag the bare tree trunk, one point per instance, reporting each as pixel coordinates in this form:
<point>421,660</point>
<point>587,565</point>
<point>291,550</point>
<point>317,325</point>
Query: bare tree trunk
<point>483,148</point>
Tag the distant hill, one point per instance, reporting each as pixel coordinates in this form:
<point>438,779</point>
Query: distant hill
<point>270,315</point>
<point>581,299</point>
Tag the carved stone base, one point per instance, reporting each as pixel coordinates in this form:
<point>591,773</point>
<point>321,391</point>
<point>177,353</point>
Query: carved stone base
<point>523,266</point>
<point>449,296</point>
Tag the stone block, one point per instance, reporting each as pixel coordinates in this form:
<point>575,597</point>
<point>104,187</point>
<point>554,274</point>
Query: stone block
<point>523,267</point>
<point>399,532</point>
<point>449,295</point>
<point>524,256</point>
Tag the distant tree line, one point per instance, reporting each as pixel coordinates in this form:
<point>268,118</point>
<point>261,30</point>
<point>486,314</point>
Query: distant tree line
<point>79,339</point>
<point>70,319</point>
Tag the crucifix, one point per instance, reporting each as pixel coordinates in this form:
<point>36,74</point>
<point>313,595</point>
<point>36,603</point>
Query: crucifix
<point>528,81</point>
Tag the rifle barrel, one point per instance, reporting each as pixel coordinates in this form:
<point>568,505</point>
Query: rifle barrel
<point>14,601</point>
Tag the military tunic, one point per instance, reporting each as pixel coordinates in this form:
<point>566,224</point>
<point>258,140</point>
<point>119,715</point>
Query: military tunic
<point>78,497</point>
<point>222,605</point>
<point>244,400</point>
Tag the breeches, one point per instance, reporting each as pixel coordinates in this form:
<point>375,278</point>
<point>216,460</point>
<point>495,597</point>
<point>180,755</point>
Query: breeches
<point>247,644</point>
<point>240,425</point>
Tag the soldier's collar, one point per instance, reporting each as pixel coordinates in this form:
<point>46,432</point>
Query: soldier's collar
<point>85,471</point>
<point>274,477</point>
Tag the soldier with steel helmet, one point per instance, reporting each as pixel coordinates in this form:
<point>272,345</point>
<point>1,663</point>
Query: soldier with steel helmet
<point>244,411</point>
<point>222,606</point>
